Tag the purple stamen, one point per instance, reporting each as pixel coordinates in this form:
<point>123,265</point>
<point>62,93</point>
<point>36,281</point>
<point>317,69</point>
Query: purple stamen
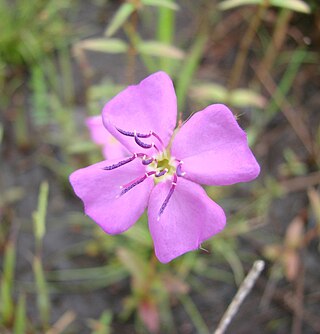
<point>166,201</point>
<point>133,134</point>
<point>145,145</point>
<point>134,183</point>
<point>138,135</point>
<point>120,163</point>
<point>123,162</point>
<point>164,171</point>
<point>141,143</point>
<point>147,161</point>
<point>179,171</point>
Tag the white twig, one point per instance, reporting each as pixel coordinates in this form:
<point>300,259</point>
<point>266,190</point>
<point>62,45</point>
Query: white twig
<point>241,294</point>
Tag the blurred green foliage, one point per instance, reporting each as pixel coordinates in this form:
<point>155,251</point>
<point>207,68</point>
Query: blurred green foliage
<point>30,30</point>
<point>36,41</point>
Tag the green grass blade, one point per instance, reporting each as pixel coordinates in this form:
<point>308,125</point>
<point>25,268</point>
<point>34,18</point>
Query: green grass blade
<point>165,33</point>
<point>39,216</point>
<point>1,133</point>
<point>188,69</point>
<point>19,326</point>
<point>295,5</point>
<point>43,301</point>
<point>120,18</point>
<point>158,49</point>
<point>40,107</point>
<point>194,314</point>
<point>107,45</point>
<point>9,261</point>
<point>297,59</point>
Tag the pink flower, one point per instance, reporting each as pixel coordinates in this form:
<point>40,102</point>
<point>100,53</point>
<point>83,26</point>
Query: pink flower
<point>165,169</point>
<point>111,147</point>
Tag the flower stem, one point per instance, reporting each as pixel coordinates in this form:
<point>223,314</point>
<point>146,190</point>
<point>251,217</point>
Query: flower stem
<point>244,46</point>
<point>241,294</point>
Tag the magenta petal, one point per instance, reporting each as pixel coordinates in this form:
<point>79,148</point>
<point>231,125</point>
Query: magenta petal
<point>112,148</point>
<point>98,189</point>
<point>189,218</point>
<point>214,148</point>
<point>148,106</point>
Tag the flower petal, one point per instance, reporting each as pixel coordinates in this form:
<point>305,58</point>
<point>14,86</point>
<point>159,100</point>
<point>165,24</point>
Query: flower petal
<point>189,218</point>
<point>99,188</point>
<point>148,106</point>
<point>214,148</point>
<point>112,148</point>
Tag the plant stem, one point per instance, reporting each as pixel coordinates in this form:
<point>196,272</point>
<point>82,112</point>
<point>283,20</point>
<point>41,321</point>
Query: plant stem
<point>241,294</point>
<point>244,46</point>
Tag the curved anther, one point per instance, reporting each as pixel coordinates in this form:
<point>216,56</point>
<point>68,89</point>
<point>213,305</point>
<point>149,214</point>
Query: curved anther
<point>145,145</point>
<point>164,171</point>
<point>123,162</point>
<point>166,201</point>
<point>179,171</point>
<point>133,134</point>
<point>147,161</point>
<point>141,143</point>
<point>138,135</point>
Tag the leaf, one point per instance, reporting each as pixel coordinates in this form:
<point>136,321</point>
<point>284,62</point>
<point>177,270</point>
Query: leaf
<point>212,93</point>
<point>229,4</point>
<point>247,98</point>
<point>107,45</point>
<point>39,216</point>
<point>158,49</point>
<point>295,5</point>
<point>120,18</point>
<point>209,92</point>
<point>161,3</point>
